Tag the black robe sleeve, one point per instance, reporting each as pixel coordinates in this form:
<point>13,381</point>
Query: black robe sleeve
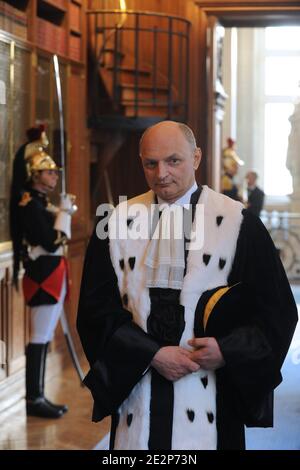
<point>118,350</point>
<point>254,353</point>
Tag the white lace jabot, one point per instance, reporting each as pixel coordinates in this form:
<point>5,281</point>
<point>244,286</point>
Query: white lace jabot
<point>165,260</point>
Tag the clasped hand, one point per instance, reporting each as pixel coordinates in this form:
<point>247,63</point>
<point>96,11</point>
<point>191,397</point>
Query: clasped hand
<point>174,362</point>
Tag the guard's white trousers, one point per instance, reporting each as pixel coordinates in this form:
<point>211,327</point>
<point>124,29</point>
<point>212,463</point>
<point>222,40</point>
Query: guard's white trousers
<point>44,319</point>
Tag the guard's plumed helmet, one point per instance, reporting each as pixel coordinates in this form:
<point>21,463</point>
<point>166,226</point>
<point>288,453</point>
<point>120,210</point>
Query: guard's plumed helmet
<point>230,158</point>
<point>38,162</point>
<point>38,140</point>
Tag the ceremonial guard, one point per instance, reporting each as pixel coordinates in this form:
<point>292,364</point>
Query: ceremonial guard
<point>39,231</point>
<point>231,163</point>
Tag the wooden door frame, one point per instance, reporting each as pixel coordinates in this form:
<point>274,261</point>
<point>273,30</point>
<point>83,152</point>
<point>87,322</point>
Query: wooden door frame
<point>250,12</point>
<point>236,13</point>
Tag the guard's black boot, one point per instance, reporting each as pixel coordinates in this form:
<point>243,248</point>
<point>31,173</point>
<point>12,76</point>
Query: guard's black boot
<point>36,404</point>
<point>63,408</point>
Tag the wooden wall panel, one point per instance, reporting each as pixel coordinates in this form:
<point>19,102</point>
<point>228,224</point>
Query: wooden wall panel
<point>16,356</point>
<point>126,172</point>
<point>13,321</point>
<point>3,323</point>
<point>78,150</point>
<point>76,258</point>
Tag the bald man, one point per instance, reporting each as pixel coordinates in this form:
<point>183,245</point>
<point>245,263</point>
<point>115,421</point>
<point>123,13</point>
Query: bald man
<point>166,383</point>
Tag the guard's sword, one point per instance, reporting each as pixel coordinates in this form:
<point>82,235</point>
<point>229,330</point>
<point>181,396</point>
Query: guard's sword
<point>63,317</point>
<point>61,123</point>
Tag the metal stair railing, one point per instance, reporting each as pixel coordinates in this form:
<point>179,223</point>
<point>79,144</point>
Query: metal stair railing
<point>174,73</point>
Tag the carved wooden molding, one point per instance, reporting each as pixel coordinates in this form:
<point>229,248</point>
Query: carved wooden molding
<point>249,4</point>
<point>255,6</point>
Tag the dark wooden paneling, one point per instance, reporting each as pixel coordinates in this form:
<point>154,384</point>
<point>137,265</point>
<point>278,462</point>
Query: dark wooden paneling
<point>13,332</point>
<point>78,155</point>
<point>3,322</point>
<point>17,327</point>
<point>76,257</point>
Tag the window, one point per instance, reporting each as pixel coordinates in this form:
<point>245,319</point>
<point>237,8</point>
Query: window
<point>282,79</point>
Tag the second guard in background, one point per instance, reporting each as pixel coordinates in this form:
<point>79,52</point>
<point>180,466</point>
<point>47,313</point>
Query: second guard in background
<point>231,163</point>
<point>39,231</point>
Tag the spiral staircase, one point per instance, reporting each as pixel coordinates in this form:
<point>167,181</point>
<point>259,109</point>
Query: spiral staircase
<point>139,68</point>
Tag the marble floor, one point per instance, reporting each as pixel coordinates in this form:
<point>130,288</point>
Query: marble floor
<point>74,431</point>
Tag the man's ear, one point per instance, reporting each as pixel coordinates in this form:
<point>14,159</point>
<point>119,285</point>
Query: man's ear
<point>197,157</point>
<point>35,177</point>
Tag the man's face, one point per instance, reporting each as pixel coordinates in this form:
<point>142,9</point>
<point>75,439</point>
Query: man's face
<point>251,179</point>
<point>45,180</point>
<point>169,162</point>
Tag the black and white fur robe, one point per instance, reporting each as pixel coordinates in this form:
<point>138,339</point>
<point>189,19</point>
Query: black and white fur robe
<point>207,407</point>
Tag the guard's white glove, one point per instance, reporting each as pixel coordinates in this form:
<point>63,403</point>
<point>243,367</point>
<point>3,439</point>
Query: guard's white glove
<point>67,203</point>
<point>66,210</point>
